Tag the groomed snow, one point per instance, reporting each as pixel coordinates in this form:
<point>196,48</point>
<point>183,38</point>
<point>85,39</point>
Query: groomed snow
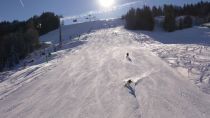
<point>88,81</point>
<point>186,50</point>
<point>69,32</point>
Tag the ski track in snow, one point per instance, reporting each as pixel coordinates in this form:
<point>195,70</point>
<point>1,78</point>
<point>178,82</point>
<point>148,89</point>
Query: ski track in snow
<point>192,61</point>
<point>88,82</point>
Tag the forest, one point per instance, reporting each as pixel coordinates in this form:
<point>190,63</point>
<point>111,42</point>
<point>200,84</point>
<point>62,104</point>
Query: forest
<point>144,18</point>
<point>19,38</point>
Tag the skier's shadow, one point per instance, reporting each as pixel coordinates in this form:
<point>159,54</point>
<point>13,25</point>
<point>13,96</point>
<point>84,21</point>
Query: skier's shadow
<point>131,90</point>
<point>129,59</point>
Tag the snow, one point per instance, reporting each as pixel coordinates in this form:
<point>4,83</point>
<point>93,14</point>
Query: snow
<point>187,51</point>
<point>192,61</point>
<point>195,35</point>
<point>207,25</point>
<point>87,77</point>
<point>69,32</point>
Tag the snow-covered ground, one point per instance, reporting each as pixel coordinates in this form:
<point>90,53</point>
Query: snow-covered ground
<point>87,78</point>
<point>207,25</point>
<point>69,32</point>
<point>186,50</point>
<point>192,61</point>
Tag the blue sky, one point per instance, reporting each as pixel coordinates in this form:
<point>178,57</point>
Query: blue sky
<point>14,10</point>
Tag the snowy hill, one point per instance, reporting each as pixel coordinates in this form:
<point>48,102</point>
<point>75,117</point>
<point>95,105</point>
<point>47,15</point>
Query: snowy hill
<point>71,31</point>
<point>194,35</point>
<point>87,79</point>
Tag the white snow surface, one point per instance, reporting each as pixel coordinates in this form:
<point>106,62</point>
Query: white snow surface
<point>69,32</point>
<point>87,81</point>
<point>187,51</point>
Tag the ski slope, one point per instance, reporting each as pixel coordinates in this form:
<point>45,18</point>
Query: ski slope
<point>88,82</point>
<point>185,50</point>
<point>69,32</point>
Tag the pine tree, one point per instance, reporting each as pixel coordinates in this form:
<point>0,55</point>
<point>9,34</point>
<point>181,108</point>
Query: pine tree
<point>141,19</point>
<point>160,11</point>
<point>187,22</point>
<point>155,11</point>
<point>181,24</point>
<point>149,19</point>
<point>169,22</point>
<point>130,19</point>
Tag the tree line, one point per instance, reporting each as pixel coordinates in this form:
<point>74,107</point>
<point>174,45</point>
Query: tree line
<point>143,18</point>
<point>140,19</point>
<point>19,38</point>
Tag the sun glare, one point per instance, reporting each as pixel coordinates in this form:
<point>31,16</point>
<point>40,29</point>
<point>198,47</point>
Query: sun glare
<point>106,3</point>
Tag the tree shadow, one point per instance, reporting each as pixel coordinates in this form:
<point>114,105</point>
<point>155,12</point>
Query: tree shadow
<point>129,59</point>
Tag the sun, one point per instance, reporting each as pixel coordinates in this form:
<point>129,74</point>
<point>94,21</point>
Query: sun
<point>106,3</point>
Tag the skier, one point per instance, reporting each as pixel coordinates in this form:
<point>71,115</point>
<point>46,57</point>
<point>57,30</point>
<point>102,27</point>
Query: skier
<point>128,83</point>
<point>130,87</point>
<point>127,57</point>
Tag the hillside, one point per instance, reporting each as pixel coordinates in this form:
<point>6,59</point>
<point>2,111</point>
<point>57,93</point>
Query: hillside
<point>69,32</point>
<point>87,80</point>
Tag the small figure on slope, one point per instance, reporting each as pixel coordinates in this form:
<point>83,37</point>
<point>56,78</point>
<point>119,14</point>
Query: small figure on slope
<point>128,57</point>
<point>130,88</point>
<point>127,84</point>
